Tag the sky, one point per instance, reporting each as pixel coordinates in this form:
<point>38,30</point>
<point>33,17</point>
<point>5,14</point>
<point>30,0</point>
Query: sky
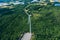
<point>10,0</point>
<point>56,0</point>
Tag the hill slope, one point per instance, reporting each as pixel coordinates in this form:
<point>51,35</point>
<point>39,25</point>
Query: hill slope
<point>45,23</point>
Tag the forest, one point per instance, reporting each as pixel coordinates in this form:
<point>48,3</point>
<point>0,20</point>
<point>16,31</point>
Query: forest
<point>45,22</point>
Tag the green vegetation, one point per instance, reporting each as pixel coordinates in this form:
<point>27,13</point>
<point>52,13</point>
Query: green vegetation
<point>45,23</point>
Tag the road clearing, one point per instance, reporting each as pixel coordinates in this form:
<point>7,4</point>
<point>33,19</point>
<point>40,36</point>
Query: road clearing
<point>27,36</point>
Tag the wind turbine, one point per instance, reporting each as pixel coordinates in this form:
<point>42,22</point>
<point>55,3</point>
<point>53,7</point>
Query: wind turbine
<point>29,22</point>
<point>27,36</point>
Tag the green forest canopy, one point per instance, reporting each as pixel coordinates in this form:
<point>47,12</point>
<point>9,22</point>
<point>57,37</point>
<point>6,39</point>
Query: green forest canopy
<point>45,23</point>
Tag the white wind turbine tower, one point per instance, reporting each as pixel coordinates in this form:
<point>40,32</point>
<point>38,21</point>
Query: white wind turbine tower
<point>27,36</point>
